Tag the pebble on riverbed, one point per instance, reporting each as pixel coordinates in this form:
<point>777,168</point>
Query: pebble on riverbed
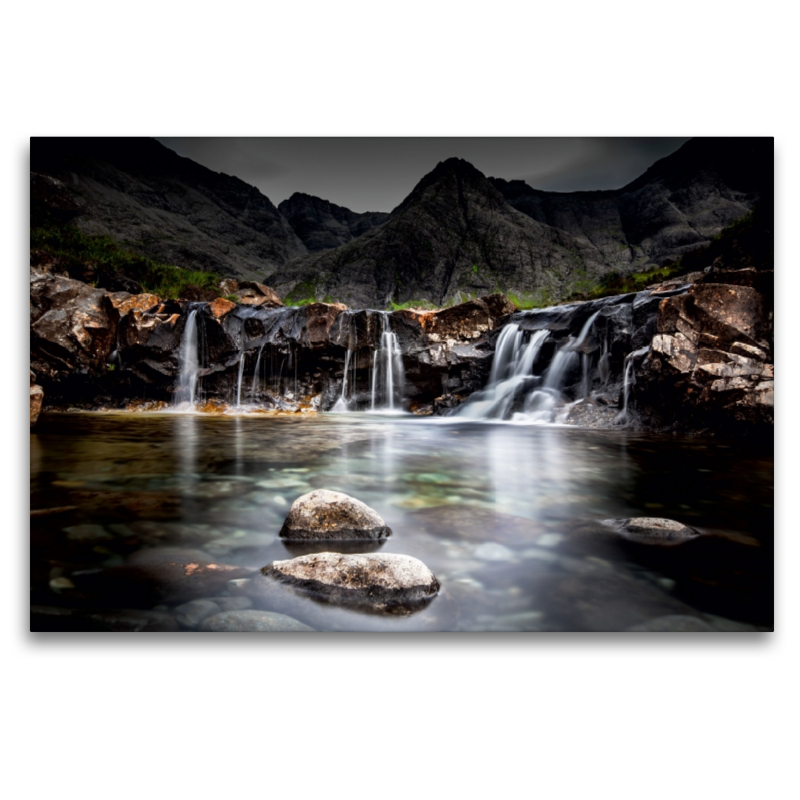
<point>326,515</point>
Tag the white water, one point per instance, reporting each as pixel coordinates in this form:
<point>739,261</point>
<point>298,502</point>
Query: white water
<point>388,376</point>
<point>628,381</point>
<point>539,398</point>
<point>239,381</point>
<point>189,362</point>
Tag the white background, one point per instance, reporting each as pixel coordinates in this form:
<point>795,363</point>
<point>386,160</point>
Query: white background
<point>557,716</point>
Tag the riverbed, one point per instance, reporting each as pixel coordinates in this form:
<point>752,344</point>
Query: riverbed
<point>509,517</point>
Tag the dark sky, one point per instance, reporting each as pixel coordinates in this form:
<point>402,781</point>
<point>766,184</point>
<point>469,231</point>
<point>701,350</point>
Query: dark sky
<point>376,174</point>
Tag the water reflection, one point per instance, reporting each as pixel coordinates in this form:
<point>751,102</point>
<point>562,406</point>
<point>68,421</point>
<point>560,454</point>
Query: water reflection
<point>507,517</point>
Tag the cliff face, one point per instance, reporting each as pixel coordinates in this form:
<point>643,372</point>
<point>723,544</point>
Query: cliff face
<point>166,207</point>
<point>459,233</point>
<point>322,225</point>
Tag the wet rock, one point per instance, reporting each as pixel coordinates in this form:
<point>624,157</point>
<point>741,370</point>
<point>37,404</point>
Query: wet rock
<point>53,618</point>
<point>251,621</point>
<point>674,623</point>
<point>323,514</point>
<point>652,530</point>
<point>190,615</point>
<point>125,302</point>
<point>376,582</point>
<point>233,603</point>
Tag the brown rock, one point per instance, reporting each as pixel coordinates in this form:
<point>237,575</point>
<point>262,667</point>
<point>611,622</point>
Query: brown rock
<point>37,395</point>
<point>319,320</point>
<point>221,307</point>
<point>376,582</point>
<point>125,302</point>
<point>253,289</point>
<point>324,515</point>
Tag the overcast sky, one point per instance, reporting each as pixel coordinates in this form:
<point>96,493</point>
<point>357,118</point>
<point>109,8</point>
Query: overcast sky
<point>376,174</point>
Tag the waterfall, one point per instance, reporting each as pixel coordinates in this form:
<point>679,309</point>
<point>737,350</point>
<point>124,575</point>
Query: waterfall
<point>342,404</point>
<point>239,381</point>
<point>628,381</point>
<point>511,368</point>
<point>388,377</point>
<point>255,372</point>
<point>189,362</point>
<point>515,392</point>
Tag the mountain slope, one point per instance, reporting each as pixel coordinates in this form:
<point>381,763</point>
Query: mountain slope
<point>454,233</point>
<point>167,207</point>
<point>459,233</point>
<point>321,225</point>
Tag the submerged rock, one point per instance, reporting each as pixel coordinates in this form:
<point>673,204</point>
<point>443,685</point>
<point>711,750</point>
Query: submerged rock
<point>251,620</point>
<point>323,514</point>
<point>37,395</point>
<point>652,530</point>
<point>385,583</point>
<point>674,623</point>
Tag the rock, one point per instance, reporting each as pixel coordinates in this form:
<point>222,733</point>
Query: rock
<point>674,623</point>
<point>220,307</point>
<point>125,302</point>
<point>327,515</point>
<point>233,603</point>
<point>228,286</point>
<point>51,618</point>
<point>252,620</point>
<point>476,525</point>
<point>190,615</point>
<point>37,395</point>
<point>376,582</point>
<point>267,297</point>
<point>652,530</point>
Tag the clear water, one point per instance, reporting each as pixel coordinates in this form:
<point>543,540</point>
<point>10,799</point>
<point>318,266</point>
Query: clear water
<point>506,516</point>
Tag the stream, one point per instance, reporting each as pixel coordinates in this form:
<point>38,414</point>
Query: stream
<point>506,515</point>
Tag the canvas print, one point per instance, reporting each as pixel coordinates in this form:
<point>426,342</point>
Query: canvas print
<point>401,385</point>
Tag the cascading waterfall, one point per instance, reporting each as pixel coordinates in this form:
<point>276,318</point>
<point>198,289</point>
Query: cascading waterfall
<point>515,392</point>
<point>255,372</point>
<point>189,362</point>
<point>239,380</point>
<point>388,376</point>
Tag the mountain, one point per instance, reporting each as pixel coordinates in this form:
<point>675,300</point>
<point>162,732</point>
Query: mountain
<point>677,205</point>
<point>321,225</point>
<point>169,208</point>
<point>459,233</point>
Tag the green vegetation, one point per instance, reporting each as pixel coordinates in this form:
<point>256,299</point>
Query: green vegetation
<point>541,298</point>
<point>100,260</point>
<point>424,305</point>
<point>303,294</point>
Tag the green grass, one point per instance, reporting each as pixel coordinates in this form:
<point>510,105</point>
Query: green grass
<point>424,305</point>
<point>102,256</point>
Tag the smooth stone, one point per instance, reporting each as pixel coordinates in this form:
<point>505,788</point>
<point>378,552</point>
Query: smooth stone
<point>233,603</point>
<point>323,514</point>
<point>376,582</point>
<point>251,620</point>
<point>652,530</point>
<point>491,551</point>
<point>674,623</point>
<point>190,615</point>
<point>87,532</point>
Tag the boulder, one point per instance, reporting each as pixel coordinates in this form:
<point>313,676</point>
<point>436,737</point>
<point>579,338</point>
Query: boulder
<point>251,620</point>
<point>386,582</point>
<point>220,307</point>
<point>326,515</point>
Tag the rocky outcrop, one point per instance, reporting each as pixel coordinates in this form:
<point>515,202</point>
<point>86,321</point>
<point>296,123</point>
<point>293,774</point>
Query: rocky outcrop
<point>381,583</point>
<point>711,364</point>
<point>652,530</point>
<point>326,515</point>
<point>163,206</point>
<point>321,225</point>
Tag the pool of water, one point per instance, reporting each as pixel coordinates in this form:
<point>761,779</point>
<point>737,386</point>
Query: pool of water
<point>507,517</point>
